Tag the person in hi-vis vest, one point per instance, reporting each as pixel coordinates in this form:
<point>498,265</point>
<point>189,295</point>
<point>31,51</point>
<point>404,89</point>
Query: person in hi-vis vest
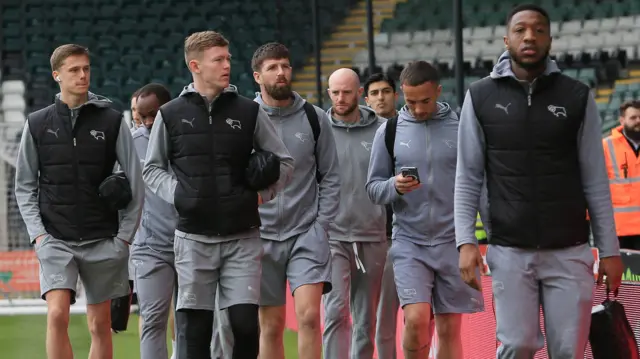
<point>621,153</point>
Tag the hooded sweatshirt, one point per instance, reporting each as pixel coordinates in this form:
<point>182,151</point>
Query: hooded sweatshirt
<point>425,215</point>
<point>157,177</point>
<point>27,168</point>
<point>358,219</point>
<point>471,167</point>
<point>304,202</point>
<point>159,218</point>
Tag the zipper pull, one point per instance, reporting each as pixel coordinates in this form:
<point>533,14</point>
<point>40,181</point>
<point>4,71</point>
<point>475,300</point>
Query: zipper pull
<point>529,100</point>
<point>74,142</point>
<point>210,120</point>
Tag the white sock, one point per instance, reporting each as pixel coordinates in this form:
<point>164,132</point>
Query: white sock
<point>173,349</point>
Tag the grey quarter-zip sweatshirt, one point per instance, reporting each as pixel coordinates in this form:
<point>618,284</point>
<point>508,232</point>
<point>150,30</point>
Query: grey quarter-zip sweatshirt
<point>423,216</point>
<point>358,219</point>
<point>304,200</point>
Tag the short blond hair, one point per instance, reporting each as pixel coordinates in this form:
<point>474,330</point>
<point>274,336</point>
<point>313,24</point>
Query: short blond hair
<point>62,52</point>
<point>198,42</point>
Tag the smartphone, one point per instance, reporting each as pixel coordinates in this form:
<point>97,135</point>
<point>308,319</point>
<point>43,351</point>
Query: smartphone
<point>410,172</point>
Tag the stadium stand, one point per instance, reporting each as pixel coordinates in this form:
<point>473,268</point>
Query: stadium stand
<point>595,42</point>
<point>134,43</point>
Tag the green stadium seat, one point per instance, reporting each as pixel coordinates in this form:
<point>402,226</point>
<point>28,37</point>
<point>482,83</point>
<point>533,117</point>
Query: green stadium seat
<point>11,29</point>
<point>602,106</point>
<point>589,73</point>
<point>12,44</point>
<point>110,88</point>
<point>11,13</point>
<point>634,86</point>
<point>571,73</point>
<point>614,104</point>
<point>609,125</point>
<point>621,87</point>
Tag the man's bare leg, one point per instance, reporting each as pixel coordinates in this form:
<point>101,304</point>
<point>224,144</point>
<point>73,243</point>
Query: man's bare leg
<point>272,321</point>
<point>307,300</point>
<point>171,324</point>
<point>58,343</point>
<point>448,327</point>
<point>417,332</point>
<point>99,322</point>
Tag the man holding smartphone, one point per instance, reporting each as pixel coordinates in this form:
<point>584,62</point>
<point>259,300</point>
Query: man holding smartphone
<point>421,145</point>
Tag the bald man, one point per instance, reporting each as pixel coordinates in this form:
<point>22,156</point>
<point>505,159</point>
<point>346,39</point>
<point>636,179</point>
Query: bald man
<point>358,239</point>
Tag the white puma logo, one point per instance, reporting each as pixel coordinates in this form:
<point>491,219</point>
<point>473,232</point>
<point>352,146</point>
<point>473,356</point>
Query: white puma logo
<point>98,135</point>
<point>405,143</point>
<point>504,108</point>
<point>184,120</point>
<point>53,132</point>
<point>234,124</point>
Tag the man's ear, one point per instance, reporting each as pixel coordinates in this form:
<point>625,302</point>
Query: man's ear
<point>194,66</point>
<point>257,78</point>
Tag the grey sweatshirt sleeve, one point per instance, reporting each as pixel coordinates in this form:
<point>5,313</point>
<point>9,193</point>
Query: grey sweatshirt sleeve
<point>469,175</point>
<point>266,139</point>
<point>26,184</point>
<point>596,182</point>
<point>130,165</point>
<point>155,172</point>
<point>381,187</point>
<point>327,163</point>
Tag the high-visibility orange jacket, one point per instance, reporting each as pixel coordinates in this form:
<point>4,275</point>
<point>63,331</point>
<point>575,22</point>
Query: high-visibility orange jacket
<point>623,167</point>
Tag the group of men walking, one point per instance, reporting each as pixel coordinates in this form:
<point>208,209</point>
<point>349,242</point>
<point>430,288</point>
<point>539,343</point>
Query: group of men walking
<point>320,224</point>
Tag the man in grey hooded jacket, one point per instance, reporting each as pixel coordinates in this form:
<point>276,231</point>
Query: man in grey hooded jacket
<point>423,252</point>
<point>152,253</point>
<point>66,151</point>
<point>295,224</point>
<point>380,94</point>
<point>358,233</point>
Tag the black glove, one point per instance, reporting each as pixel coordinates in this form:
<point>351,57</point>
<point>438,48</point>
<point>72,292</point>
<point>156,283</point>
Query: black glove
<point>115,191</point>
<point>262,171</point>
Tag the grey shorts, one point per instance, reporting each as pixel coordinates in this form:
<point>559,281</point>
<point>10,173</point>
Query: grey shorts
<point>303,259</point>
<point>101,265</point>
<point>430,274</point>
<point>235,266</point>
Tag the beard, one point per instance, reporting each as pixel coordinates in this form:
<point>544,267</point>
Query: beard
<point>278,92</point>
<point>528,65</point>
<point>632,132</point>
<point>346,112</point>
